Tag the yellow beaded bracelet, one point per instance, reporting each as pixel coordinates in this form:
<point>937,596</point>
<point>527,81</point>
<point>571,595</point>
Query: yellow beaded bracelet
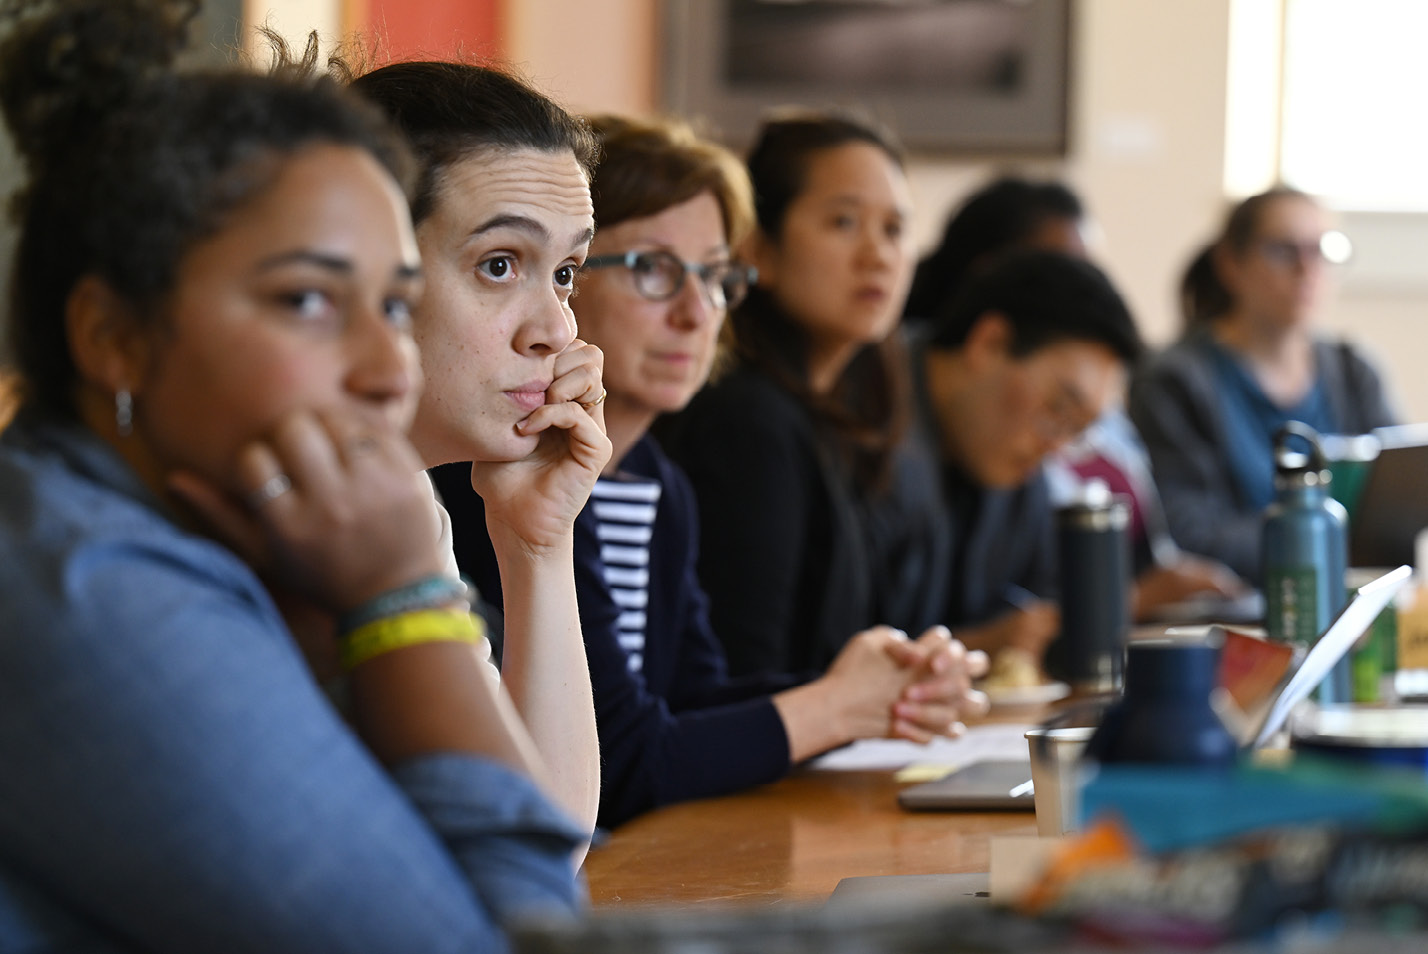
<point>410,629</point>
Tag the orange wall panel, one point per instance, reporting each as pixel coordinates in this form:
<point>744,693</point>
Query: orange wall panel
<point>432,29</point>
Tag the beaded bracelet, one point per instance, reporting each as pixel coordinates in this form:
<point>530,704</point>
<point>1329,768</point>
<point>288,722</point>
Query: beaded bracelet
<point>410,629</point>
<point>429,592</point>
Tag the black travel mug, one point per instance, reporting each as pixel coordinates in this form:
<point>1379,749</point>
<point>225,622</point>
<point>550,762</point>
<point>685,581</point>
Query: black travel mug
<point>1089,653</point>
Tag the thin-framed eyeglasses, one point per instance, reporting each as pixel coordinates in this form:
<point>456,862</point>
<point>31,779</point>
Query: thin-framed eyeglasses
<point>660,274</point>
<point>1063,415</point>
<point>1332,248</point>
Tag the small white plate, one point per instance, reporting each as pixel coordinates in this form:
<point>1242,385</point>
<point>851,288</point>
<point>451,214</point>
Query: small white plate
<point>1037,695</point>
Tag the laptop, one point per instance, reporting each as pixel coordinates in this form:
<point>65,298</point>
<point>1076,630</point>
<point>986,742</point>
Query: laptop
<point>1000,785</point>
<point>1393,506</point>
<point>1336,641</point>
<point>991,785</point>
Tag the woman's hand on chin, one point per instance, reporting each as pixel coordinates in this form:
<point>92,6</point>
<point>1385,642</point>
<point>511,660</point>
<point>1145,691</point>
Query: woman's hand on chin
<point>334,508</point>
<point>536,499</point>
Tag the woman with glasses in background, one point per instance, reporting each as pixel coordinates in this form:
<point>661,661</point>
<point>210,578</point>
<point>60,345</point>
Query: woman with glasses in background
<point>1249,360</point>
<point>673,726</point>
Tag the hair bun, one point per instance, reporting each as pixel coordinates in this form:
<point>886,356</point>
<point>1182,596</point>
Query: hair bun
<point>67,64</point>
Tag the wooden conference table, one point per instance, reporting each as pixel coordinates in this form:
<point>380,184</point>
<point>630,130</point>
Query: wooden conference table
<point>792,840</point>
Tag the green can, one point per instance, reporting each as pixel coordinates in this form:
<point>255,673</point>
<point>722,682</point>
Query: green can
<point>1374,658</point>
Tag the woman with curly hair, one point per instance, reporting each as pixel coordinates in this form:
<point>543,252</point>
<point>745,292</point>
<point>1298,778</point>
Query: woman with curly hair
<point>211,315</point>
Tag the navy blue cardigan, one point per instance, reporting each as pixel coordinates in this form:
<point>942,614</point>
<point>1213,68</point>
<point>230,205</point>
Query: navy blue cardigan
<point>680,728</point>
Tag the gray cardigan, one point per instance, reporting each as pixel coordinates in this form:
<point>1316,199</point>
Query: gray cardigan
<point>1175,406</point>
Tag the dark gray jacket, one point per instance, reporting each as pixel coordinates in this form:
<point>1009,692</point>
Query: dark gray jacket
<point>1174,405</point>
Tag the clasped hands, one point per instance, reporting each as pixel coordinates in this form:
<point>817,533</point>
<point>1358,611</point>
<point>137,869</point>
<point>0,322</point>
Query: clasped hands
<point>907,688</point>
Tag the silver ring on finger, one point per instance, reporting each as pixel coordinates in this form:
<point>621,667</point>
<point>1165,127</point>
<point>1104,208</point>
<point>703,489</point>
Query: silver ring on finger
<point>271,489</point>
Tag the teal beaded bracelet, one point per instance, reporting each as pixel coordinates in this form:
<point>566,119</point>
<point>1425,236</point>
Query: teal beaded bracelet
<point>430,592</point>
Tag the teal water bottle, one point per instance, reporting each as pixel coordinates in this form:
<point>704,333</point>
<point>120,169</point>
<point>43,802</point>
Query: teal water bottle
<point>1305,552</point>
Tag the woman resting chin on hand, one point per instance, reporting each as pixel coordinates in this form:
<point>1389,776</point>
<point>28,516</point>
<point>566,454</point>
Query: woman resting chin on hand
<point>513,397</point>
<point>673,725</point>
<point>212,326</point>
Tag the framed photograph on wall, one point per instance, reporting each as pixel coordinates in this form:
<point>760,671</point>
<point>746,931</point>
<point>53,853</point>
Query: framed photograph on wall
<point>216,36</point>
<point>949,76</point>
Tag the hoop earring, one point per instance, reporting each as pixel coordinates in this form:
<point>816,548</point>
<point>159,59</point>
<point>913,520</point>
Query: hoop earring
<point>124,412</point>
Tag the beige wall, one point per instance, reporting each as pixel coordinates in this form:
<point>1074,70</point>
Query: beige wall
<point>1148,102</point>
<point>293,19</point>
<point>1148,151</point>
<point>1148,108</point>
<point>590,56</point>
<point>1148,155</point>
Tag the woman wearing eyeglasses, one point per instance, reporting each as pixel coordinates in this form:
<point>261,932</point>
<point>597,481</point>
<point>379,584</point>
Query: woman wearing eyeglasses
<point>1250,359</point>
<point>672,725</point>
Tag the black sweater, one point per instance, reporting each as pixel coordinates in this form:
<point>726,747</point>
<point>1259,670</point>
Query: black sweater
<point>680,728</point>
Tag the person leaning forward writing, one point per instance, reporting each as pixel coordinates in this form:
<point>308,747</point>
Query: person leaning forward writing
<point>1032,350</point>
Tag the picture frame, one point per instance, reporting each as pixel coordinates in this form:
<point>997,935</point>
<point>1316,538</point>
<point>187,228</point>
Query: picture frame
<point>216,35</point>
<point>965,77</point>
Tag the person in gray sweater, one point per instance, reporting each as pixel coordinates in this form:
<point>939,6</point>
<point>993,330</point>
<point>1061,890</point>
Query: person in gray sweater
<point>1250,360</point>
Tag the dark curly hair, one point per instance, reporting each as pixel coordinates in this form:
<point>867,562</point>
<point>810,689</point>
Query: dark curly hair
<point>450,111</point>
<point>132,163</point>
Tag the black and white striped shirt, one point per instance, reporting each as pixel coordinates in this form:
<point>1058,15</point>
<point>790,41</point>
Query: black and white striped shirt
<point>624,522</point>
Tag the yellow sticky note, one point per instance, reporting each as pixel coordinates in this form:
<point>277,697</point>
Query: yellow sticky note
<point>923,772</point>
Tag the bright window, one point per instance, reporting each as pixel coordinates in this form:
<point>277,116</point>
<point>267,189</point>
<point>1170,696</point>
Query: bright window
<point>1355,97</point>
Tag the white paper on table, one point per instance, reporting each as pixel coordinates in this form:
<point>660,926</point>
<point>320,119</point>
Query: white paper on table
<point>993,741</point>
